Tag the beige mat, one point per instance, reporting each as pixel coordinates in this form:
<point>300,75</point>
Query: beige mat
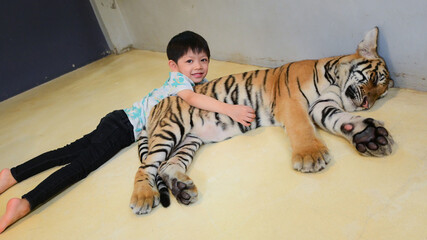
<point>248,189</point>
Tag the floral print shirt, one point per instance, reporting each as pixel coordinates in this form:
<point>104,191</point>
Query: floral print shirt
<point>139,112</point>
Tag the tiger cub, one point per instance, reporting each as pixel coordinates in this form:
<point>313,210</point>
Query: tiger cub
<point>296,96</point>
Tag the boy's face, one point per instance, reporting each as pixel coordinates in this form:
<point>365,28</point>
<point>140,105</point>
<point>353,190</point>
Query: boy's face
<point>193,65</point>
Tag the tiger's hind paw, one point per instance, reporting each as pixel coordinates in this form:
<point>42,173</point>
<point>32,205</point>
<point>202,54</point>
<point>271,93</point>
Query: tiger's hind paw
<point>184,191</point>
<point>181,186</point>
<point>312,160</point>
<point>144,198</point>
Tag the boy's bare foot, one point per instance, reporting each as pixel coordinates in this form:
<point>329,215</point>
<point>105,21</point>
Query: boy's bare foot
<point>16,209</point>
<point>6,180</point>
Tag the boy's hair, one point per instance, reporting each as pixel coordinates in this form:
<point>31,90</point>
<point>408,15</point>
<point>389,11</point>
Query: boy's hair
<point>182,42</point>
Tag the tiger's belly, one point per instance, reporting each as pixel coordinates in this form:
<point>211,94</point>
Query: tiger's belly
<point>216,128</point>
<point>211,132</point>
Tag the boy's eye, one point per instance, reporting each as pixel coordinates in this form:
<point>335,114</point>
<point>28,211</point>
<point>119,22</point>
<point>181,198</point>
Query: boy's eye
<point>189,61</point>
<point>204,60</point>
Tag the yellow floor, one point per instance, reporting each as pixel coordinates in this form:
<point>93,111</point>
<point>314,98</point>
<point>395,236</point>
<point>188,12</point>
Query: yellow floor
<point>248,189</point>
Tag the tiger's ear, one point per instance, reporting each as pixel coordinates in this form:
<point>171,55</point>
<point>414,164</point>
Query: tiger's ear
<point>367,48</point>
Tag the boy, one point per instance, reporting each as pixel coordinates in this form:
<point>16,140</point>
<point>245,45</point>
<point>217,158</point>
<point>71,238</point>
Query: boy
<point>188,55</point>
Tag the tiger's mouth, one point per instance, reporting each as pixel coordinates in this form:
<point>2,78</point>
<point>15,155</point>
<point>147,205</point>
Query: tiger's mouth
<point>365,103</point>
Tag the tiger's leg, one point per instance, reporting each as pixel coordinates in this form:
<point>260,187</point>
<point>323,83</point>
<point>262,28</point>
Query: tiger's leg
<point>161,186</point>
<point>168,131</point>
<point>145,195</point>
<point>367,135</point>
<point>309,154</point>
<point>143,146</point>
<point>173,172</point>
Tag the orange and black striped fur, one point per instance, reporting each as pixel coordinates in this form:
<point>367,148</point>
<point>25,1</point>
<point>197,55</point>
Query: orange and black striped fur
<point>296,96</point>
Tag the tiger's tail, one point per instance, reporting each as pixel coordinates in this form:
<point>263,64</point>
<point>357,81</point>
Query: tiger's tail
<point>164,191</point>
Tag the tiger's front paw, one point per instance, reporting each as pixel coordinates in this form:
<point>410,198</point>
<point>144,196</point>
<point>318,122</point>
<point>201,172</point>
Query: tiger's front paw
<point>181,185</point>
<point>370,138</point>
<point>144,198</point>
<point>312,159</point>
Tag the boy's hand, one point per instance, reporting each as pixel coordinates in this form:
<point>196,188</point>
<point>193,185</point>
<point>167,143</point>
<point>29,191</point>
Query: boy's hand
<point>242,114</point>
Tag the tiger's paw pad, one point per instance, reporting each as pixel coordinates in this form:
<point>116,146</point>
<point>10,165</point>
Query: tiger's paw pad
<point>314,161</point>
<point>144,198</point>
<point>185,192</point>
<point>181,185</point>
<point>373,140</point>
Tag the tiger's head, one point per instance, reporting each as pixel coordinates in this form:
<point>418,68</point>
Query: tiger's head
<point>364,75</point>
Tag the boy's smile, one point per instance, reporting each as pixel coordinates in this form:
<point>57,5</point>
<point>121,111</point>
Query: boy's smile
<point>193,65</point>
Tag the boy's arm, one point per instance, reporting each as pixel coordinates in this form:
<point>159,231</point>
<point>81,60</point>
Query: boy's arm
<point>239,113</point>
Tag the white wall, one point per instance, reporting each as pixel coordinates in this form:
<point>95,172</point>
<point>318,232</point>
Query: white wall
<point>273,32</point>
<point>113,26</point>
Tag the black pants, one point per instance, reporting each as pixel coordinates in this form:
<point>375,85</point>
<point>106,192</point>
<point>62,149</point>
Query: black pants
<point>81,157</point>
